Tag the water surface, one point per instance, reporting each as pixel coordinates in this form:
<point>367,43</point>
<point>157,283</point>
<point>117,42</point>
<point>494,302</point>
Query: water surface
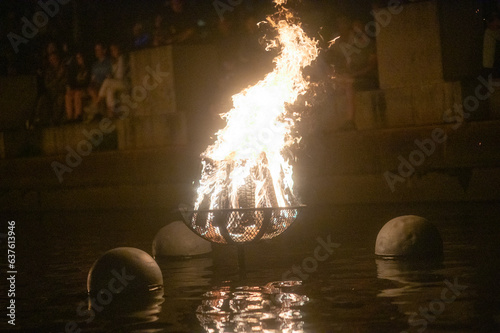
<point>347,289</point>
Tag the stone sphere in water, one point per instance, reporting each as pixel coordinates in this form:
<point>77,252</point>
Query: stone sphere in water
<point>124,270</point>
<point>177,240</point>
<point>409,236</point>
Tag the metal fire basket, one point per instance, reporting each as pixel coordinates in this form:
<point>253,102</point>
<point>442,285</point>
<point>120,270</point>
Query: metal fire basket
<point>241,225</point>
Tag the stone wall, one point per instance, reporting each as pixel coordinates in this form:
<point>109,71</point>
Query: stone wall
<point>152,81</point>
<point>174,111</point>
<point>409,47</point>
<point>426,55</point>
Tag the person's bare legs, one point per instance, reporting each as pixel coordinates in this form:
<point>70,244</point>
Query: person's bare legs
<point>93,96</point>
<point>92,110</point>
<point>108,90</point>
<point>69,97</point>
<point>104,93</point>
<point>78,95</point>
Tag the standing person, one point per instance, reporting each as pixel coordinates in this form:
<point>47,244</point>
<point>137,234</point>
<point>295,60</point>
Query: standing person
<point>116,82</point>
<point>50,106</point>
<point>78,81</point>
<point>40,116</point>
<point>363,66</point>
<point>101,69</point>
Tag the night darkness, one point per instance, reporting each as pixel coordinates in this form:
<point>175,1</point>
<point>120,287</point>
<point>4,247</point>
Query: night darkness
<point>107,136</point>
<point>82,23</point>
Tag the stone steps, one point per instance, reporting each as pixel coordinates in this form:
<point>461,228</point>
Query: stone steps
<point>332,168</point>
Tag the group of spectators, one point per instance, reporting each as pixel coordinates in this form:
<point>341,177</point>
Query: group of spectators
<point>80,85</point>
<point>177,23</point>
<point>67,83</point>
<point>76,85</point>
<point>234,33</point>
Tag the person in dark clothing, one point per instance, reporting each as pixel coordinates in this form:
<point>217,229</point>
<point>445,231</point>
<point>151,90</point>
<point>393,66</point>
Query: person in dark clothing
<point>181,22</point>
<point>78,82</point>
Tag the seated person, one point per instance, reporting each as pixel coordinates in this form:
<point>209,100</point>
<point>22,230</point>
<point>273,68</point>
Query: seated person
<point>160,32</point>
<point>101,69</point>
<point>181,22</point>
<point>116,82</point>
<point>78,81</point>
<point>140,38</point>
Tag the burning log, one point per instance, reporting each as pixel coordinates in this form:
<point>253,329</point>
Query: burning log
<point>245,191</point>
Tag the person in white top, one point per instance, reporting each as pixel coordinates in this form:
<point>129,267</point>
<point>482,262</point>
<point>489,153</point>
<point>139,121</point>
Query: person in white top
<point>116,83</point>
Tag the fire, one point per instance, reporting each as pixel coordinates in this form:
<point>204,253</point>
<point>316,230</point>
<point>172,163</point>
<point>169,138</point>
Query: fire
<point>248,166</point>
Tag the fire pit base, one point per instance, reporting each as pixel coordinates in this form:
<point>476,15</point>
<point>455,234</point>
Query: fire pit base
<point>242,225</point>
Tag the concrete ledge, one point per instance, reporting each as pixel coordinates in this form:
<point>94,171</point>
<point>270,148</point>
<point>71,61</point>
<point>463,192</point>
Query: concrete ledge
<point>55,140</point>
<point>152,131</point>
<point>138,132</point>
<point>19,200</point>
<point>113,168</point>
<point>19,143</point>
<point>421,105</point>
<point>371,108</point>
<point>147,196</point>
<point>18,97</point>
<point>434,186</point>
<point>458,146</point>
<point>341,189</point>
<point>346,167</point>
<point>494,107</point>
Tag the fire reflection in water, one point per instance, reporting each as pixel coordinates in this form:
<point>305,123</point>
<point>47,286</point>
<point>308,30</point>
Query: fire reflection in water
<point>270,308</point>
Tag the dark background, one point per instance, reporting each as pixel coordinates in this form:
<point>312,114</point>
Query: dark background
<point>81,23</point>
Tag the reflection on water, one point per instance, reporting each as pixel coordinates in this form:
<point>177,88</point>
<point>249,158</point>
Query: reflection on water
<point>351,291</point>
<point>270,308</point>
<point>412,274</point>
<point>127,311</point>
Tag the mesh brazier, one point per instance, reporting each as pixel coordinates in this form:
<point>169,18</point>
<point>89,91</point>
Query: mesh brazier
<point>241,225</point>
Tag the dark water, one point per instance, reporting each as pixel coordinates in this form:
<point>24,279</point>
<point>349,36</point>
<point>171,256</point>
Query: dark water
<point>348,290</point>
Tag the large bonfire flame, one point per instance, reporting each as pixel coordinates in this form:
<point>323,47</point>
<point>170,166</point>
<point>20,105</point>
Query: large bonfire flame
<point>248,166</point>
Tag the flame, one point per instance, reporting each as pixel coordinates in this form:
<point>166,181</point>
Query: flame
<point>247,166</point>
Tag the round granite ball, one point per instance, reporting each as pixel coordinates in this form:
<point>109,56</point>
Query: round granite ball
<point>177,240</point>
<point>409,236</point>
<point>124,270</point>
